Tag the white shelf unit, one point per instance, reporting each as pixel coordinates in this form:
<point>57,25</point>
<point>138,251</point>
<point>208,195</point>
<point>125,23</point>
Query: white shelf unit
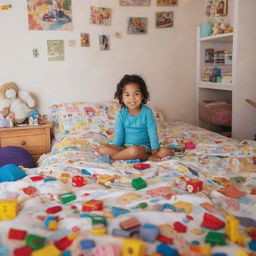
<point>212,91</point>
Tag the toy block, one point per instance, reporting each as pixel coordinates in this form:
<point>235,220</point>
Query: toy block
<point>99,220</point>
<point>183,206</point>
<point>85,172</point>
<point>64,242</point>
<point>194,186</point>
<point>124,233</point>
<point>141,166</point>
<point>36,178</point>
<point>102,179</point>
<point>130,223</point>
<point>241,253</point>
<point>215,238</point>
<point>149,232</point>
<point>54,209</point>
<point>22,251</point>
<point>166,250</point>
<point>203,249</point>
<point>78,181</point>
<point>252,245</point>
<point>252,233</point>
<point>17,234</point>
<point>35,242</point>
<point>212,222</point>
<point>87,244</point>
<point>179,227</point>
<point>47,250</point>
<point>99,231</point>
<point>8,209</point>
<point>51,223</point>
<point>109,250</point>
<point>66,197</point>
<point>166,230</point>
<point>92,205</point>
<point>160,191</point>
<point>133,247</point>
<point>142,205</point>
<point>118,211</point>
<point>66,253</point>
<point>139,183</point>
<point>164,239</point>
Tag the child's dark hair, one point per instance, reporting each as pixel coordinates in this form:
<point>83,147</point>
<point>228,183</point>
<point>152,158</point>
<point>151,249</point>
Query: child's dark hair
<point>128,79</point>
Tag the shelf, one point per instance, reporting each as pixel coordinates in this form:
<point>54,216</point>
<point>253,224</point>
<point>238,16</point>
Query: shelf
<point>215,86</point>
<point>227,37</point>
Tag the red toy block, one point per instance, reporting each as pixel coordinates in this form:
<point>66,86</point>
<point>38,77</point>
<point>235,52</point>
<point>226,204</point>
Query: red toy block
<point>54,209</point>
<point>17,234</point>
<point>129,224</point>
<point>37,178</point>
<point>141,166</point>
<point>179,227</point>
<point>188,217</point>
<point>63,243</point>
<point>78,181</point>
<point>194,186</point>
<point>165,239</point>
<point>23,251</point>
<point>92,205</point>
<point>212,222</point>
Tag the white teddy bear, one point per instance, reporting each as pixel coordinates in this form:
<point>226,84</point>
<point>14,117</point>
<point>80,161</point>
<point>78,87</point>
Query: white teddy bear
<point>20,103</point>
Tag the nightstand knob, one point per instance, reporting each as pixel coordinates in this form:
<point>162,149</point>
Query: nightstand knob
<point>23,142</point>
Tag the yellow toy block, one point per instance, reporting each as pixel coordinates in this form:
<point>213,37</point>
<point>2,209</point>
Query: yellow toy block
<point>98,231</point>
<point>133,247</point>
<point>185,206</point>
<point>102,179</point>
<point>8,209</point>
<point>204,249</point>
<point>47,250</point>
<point>241,253</point>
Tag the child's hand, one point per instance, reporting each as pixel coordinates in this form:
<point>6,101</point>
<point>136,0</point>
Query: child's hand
<point>154,158</point>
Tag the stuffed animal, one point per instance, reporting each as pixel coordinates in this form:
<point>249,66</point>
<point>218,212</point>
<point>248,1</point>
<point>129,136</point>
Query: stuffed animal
<point>20,103</point>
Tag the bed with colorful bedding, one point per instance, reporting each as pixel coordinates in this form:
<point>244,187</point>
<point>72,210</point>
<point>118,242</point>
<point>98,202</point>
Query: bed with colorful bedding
<point>202,201</point>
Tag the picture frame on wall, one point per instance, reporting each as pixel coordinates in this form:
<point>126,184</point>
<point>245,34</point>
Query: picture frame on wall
<point>167,2</point>
<point>100,15</point>
<point>164,19</point>
<point>104,41</point>
<point>134,2</point>
<point>137,25</point>
<point>85,39</point>
<point>221,7</point>
<point>55,49</point>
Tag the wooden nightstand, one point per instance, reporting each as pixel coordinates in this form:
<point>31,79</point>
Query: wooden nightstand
<point>35,139</point>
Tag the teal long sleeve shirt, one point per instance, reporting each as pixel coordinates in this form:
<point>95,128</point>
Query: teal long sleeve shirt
<point>136,130</point>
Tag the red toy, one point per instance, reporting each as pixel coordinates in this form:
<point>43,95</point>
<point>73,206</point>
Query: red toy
<point>194,186</point>
<point>17,234</point>
<point>179,227</point>
<point>54,209</point>
<point>190,145</point>
<point>212,222</point>
<point>141,166</point>
<point>36,178</point>
<point>63,243</point>
<point>25,250</point>
<point>165,239</point>
<point>78,181</point>
<point>130,224</point>
<point>92,205</point>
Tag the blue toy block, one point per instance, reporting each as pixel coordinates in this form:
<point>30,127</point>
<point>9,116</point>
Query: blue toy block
<point>66,253</point>
<point>104,159</point>
<point>252,245</point>
<point>124,233</point>
<point>85,172</point>
<point>166,250</point>
<point>87,244</point>
<point>149,232</point>
<point>118,211</point>
<point>49,179</point>
<point>11,172</point>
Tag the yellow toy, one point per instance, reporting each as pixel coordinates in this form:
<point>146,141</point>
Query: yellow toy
<point>133,247</point>
<point>204,249</point>
<point>232,231</point>
<point>8,209</point>
<point>183,206</point>
<point>47,250</point>
<point>99,231</point>
<point>241,253</point>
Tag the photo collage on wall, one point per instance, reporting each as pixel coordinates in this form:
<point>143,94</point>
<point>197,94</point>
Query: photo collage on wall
<point>56,15</point>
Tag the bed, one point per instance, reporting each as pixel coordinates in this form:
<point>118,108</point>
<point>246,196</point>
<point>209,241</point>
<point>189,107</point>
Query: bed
<point>200,202</point>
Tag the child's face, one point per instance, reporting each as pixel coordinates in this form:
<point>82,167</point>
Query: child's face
<point>132,96</point>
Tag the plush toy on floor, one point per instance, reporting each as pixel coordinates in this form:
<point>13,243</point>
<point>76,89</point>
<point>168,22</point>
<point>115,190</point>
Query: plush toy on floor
<point>18,102</point>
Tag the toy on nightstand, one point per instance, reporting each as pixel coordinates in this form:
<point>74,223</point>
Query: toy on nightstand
<point>33,117</point>
<point>8,209</point>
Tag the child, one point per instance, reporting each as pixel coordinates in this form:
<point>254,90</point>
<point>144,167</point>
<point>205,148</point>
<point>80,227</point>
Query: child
<point>135,130</point>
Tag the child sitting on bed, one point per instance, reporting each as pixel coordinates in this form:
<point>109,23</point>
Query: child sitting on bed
<point>135,129</point>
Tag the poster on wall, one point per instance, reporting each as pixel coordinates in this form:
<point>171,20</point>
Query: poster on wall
<point>209,9</point>
<point>134,2</point>
<point>221,7</point>
<point>55,49</point>
<point>49,15</point>
<point>104,41</point>
<point>85,39</point>
<point>164,19</point>
<point>100,16</point>
<point>167,2</point>
<point>137,25</point>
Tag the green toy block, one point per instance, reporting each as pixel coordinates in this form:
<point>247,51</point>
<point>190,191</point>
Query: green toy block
<point>97,219</point>
<point>215,238</point>
<point>35,242</point>
<point>139,183</point>
<point>66,197</point>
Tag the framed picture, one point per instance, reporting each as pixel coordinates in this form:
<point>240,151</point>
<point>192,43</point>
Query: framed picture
<point>209,8</point>
<point>221,7</point>
<point>49,15</point>
<point>100,15</point>
<point>137,25</point>
<point>164,19</point>
<point>85,40</point>
<point>104,41</point>
<point>167,2</point>
<point>55,49</point>
<point>134,2</point>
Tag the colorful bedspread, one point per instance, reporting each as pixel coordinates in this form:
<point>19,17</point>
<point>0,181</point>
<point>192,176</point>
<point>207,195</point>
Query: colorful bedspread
<point>200,202</point>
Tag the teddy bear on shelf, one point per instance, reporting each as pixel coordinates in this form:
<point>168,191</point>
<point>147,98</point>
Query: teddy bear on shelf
<point>15,101</point>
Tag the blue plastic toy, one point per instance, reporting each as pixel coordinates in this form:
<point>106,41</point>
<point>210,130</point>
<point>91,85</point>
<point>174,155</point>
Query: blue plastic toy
<point>149,232</point>
<point>11,172</point>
